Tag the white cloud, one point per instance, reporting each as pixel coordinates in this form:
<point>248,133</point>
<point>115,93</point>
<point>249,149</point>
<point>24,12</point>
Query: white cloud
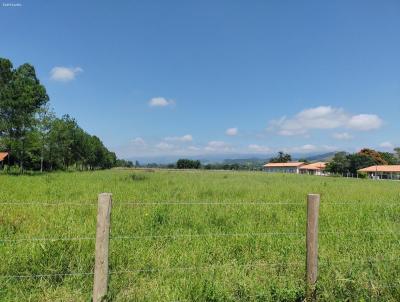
<point>184,138</point>
<point>164,146</point>
<point>309,148</point>
<point>365,122</point>
<point>231,131</point>
<point>139,141</point>
<point>160,102</point>
<point>64,74</point>
<point>259,149</point>
<point>218,146</point>
<point>386,145</point>
<point>323,117</point>
<point>342,136</point>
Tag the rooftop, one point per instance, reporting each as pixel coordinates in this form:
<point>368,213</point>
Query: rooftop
<point>314,166</point>
<point>292,164</point>
<point>3,155</point>
<point>382,168</point>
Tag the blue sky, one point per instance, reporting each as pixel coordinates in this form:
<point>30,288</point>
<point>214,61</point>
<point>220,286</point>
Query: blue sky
<point>154,78</point>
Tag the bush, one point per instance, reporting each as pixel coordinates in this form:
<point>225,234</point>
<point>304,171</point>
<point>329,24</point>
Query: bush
<point>362,175</point>
<point>188,164</point>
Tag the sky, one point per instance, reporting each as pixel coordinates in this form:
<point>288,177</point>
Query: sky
<point>162,78</point>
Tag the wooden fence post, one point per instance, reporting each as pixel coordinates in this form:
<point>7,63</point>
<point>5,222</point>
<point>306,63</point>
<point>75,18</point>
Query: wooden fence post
<point>312,245</point>
<point>102,241</point>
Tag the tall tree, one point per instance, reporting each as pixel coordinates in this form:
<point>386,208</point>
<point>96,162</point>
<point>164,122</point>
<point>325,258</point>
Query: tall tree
<point>397,153</point>
<point>21,96</point>
<point>388,157</point>
<point>281,158</point>
<point>374,155</point>
<point>339,163</point>
<point>45,120</point>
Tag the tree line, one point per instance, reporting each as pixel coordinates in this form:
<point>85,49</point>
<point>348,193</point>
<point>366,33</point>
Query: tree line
<point>341,163</point>
<point>32,134</point>
<point>344,163</point>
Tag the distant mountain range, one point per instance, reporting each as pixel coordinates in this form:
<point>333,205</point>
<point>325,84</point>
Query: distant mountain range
<point>321,157</point>
<point>232,158</point>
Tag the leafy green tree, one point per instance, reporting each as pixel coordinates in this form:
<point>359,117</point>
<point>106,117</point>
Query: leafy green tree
<point>21,97</point>
<point>397,154</point>
<point>388,157</point>
<point>359,161</point>
<point>124,163</point>
<point>34,137</point>
<point>339,164</point>
<point>304,160</point>
<point>281,158</point>
<point>45,119</point>
<point>188,164</point>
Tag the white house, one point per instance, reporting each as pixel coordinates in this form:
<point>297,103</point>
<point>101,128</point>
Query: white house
<point>313,169</point>
<point>383,172</point>
<point>292,167</point>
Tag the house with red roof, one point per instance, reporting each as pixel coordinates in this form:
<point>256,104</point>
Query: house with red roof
<point>3,156</point>
<point>314,169</point>
<point>382,172</point>
<point>291,167</point>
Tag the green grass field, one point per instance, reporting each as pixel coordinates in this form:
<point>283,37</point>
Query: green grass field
<point>359,245</point>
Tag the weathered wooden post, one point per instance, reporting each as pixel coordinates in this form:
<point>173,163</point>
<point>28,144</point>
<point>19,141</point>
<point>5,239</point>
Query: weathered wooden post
<point>312,245</point>
<point>102,241</point>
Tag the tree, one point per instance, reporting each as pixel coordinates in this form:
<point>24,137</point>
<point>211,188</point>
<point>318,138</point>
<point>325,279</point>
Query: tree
<point>281,158</point>
<point>44,122</point>
<point>397,153</point>
<point>34,137</point>
<point>374,155</point>
<point>123,163</point>
<point>21,97</point>
<point>359,161</point>
<point>184,163</point>
<point>339,164</point>
<point>388,157</point>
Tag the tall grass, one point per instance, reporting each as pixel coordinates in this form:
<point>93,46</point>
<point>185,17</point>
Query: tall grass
<point>266,264</point>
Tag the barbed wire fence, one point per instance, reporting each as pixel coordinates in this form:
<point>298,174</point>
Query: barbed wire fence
<point>101,271</point>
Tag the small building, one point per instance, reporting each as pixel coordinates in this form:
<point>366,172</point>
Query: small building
<point>314,169</point>
<point>382,172</point>
<point>3,156</point>
<point>292,167</point>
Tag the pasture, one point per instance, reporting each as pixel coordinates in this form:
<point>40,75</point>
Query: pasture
<point>222,236</point>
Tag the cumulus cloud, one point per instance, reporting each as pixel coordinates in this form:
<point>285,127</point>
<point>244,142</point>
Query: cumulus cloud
<point>184,138</point>
<point>64,74</point>
<point>259,149</point>
<point>342,136</point>
<point>160,102</point>
<point>323,117</point>
<point>231,131</point>
<point>365,122</point>
<point>386,145</point>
